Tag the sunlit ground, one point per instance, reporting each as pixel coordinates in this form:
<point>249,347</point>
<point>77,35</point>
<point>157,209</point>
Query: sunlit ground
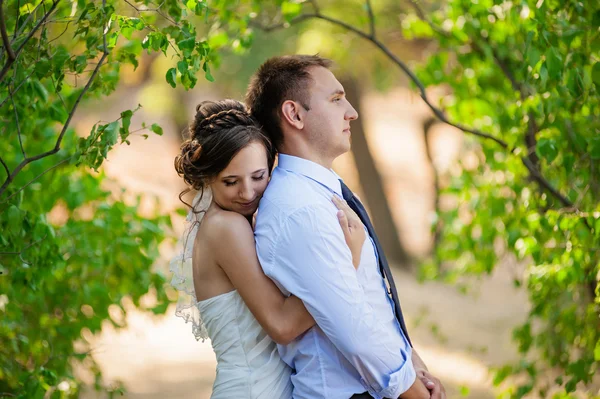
<point>458,336</point>
<point>159,358</point>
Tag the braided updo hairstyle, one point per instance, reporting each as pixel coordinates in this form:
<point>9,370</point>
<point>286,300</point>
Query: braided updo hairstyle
<point>219,131</point>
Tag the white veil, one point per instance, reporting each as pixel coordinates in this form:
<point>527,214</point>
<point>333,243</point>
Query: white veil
<point>181,266</point>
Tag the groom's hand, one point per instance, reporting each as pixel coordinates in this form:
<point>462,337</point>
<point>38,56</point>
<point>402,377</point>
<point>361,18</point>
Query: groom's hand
<point>416,391</point>
<point>433,384</point>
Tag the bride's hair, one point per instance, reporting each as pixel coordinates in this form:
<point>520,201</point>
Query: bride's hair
<point>219,131</point>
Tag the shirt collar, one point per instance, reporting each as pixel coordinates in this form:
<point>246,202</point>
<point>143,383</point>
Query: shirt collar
<point>312,170</point>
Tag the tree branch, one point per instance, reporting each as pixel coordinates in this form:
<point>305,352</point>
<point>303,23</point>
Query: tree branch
<point>20,253</point>
<point>417,6</point>
<point>37,177</point>
<point>17,122</point>
<point>156,10</point>
<point>5,166</point>
<point>56,148</point>
<point>503,67</point>
<point>371,18</point>
<point>24,25</point>
<point>531,140</point>
<point>17,88</point>
<point>536,175</point>
<point>17,17</point>
<point>531,161</point>
<point>142,9</point>
<point>10,61</point>
<point>5,39</point>
<point>437,233</point>
<point>63,32</point>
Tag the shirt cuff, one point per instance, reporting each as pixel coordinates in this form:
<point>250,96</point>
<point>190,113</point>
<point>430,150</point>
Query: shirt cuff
<point>400,382</point>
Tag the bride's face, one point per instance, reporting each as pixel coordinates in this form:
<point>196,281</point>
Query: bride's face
<point>241,184</point>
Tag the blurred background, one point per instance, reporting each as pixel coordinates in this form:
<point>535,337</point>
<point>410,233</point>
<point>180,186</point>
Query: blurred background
<point>397,149</point>
<point>475,152</point>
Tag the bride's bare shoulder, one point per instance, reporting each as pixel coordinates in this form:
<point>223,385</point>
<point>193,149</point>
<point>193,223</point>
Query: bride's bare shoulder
<point>222,224</point>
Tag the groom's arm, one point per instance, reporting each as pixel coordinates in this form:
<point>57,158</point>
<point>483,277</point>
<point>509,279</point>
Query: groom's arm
<point>432,383</point>
<point>312,261</point>
<point>418,363</point>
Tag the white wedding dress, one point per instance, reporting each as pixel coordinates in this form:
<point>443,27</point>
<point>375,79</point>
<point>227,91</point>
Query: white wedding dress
<point>248,364</point>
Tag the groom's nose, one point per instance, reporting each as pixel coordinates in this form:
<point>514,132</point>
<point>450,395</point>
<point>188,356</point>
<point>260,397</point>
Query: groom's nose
<point>351,113</point>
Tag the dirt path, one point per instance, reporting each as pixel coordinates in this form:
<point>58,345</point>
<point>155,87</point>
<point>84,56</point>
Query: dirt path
<point>159,358</point>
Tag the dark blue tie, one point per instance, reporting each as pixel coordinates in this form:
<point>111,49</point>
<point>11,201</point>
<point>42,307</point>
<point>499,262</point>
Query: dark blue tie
<point>357,207</point>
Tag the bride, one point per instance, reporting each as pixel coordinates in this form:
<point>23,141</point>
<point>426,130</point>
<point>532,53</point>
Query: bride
<point>225,293</point>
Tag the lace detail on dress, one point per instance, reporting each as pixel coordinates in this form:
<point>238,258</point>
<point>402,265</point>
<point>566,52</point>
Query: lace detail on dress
<point>181,267</point>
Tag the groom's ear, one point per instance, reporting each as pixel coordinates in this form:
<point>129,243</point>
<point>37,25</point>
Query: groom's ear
<point>293,114</point>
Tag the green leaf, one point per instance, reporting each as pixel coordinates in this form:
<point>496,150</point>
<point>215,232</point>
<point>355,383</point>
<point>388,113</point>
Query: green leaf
<point>546,148</point>
<point>218,40</point>
<point>111,39</point>
<point>571,385</point>
<point>554,63</point>
<point>80,63</point>
<point>501,374</point>
<point>596,18</point>
<point>60,57</point>
<point>125,123</point>
<point>207,74</point>
<point>596,75</point>
<point>127,32</point>
<point>594,148</point>
<point>156,129</point>
<point>533,56</point>
<point>40,89</point>
<point>290,9</point>
<point>58,113</point>
<point>187,45</point>
<point>597,351</point>
<point>543,75</point>
<point>14,219</point>
<point>200,7</point>
<point>110,133</point>
<point>172,77</point>
<point>42,67</point>
<point>182,66</point>
<point>160,308</point>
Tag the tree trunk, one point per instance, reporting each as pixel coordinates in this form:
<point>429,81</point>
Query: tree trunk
<point>437,231</point>
<point>372,184</point>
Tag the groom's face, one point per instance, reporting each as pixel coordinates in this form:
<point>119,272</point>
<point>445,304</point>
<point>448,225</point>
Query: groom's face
<point>328,121</point>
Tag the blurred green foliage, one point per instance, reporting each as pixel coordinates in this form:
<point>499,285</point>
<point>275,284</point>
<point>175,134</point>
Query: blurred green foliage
<point>525,72</point>
<point>69,248</point>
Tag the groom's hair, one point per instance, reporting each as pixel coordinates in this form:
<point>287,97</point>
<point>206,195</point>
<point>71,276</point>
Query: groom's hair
<point>277,80</point>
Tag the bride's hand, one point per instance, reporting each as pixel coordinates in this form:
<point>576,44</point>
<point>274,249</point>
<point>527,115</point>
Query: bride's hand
<point>354,232</point>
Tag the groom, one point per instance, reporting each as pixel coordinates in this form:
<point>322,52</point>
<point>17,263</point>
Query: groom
<point>359,347</point>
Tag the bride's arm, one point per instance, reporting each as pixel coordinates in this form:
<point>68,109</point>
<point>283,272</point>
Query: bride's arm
<point>283,318</point>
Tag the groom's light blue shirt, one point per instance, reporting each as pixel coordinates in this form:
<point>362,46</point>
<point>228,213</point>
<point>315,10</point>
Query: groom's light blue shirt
<point>357,344</point>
